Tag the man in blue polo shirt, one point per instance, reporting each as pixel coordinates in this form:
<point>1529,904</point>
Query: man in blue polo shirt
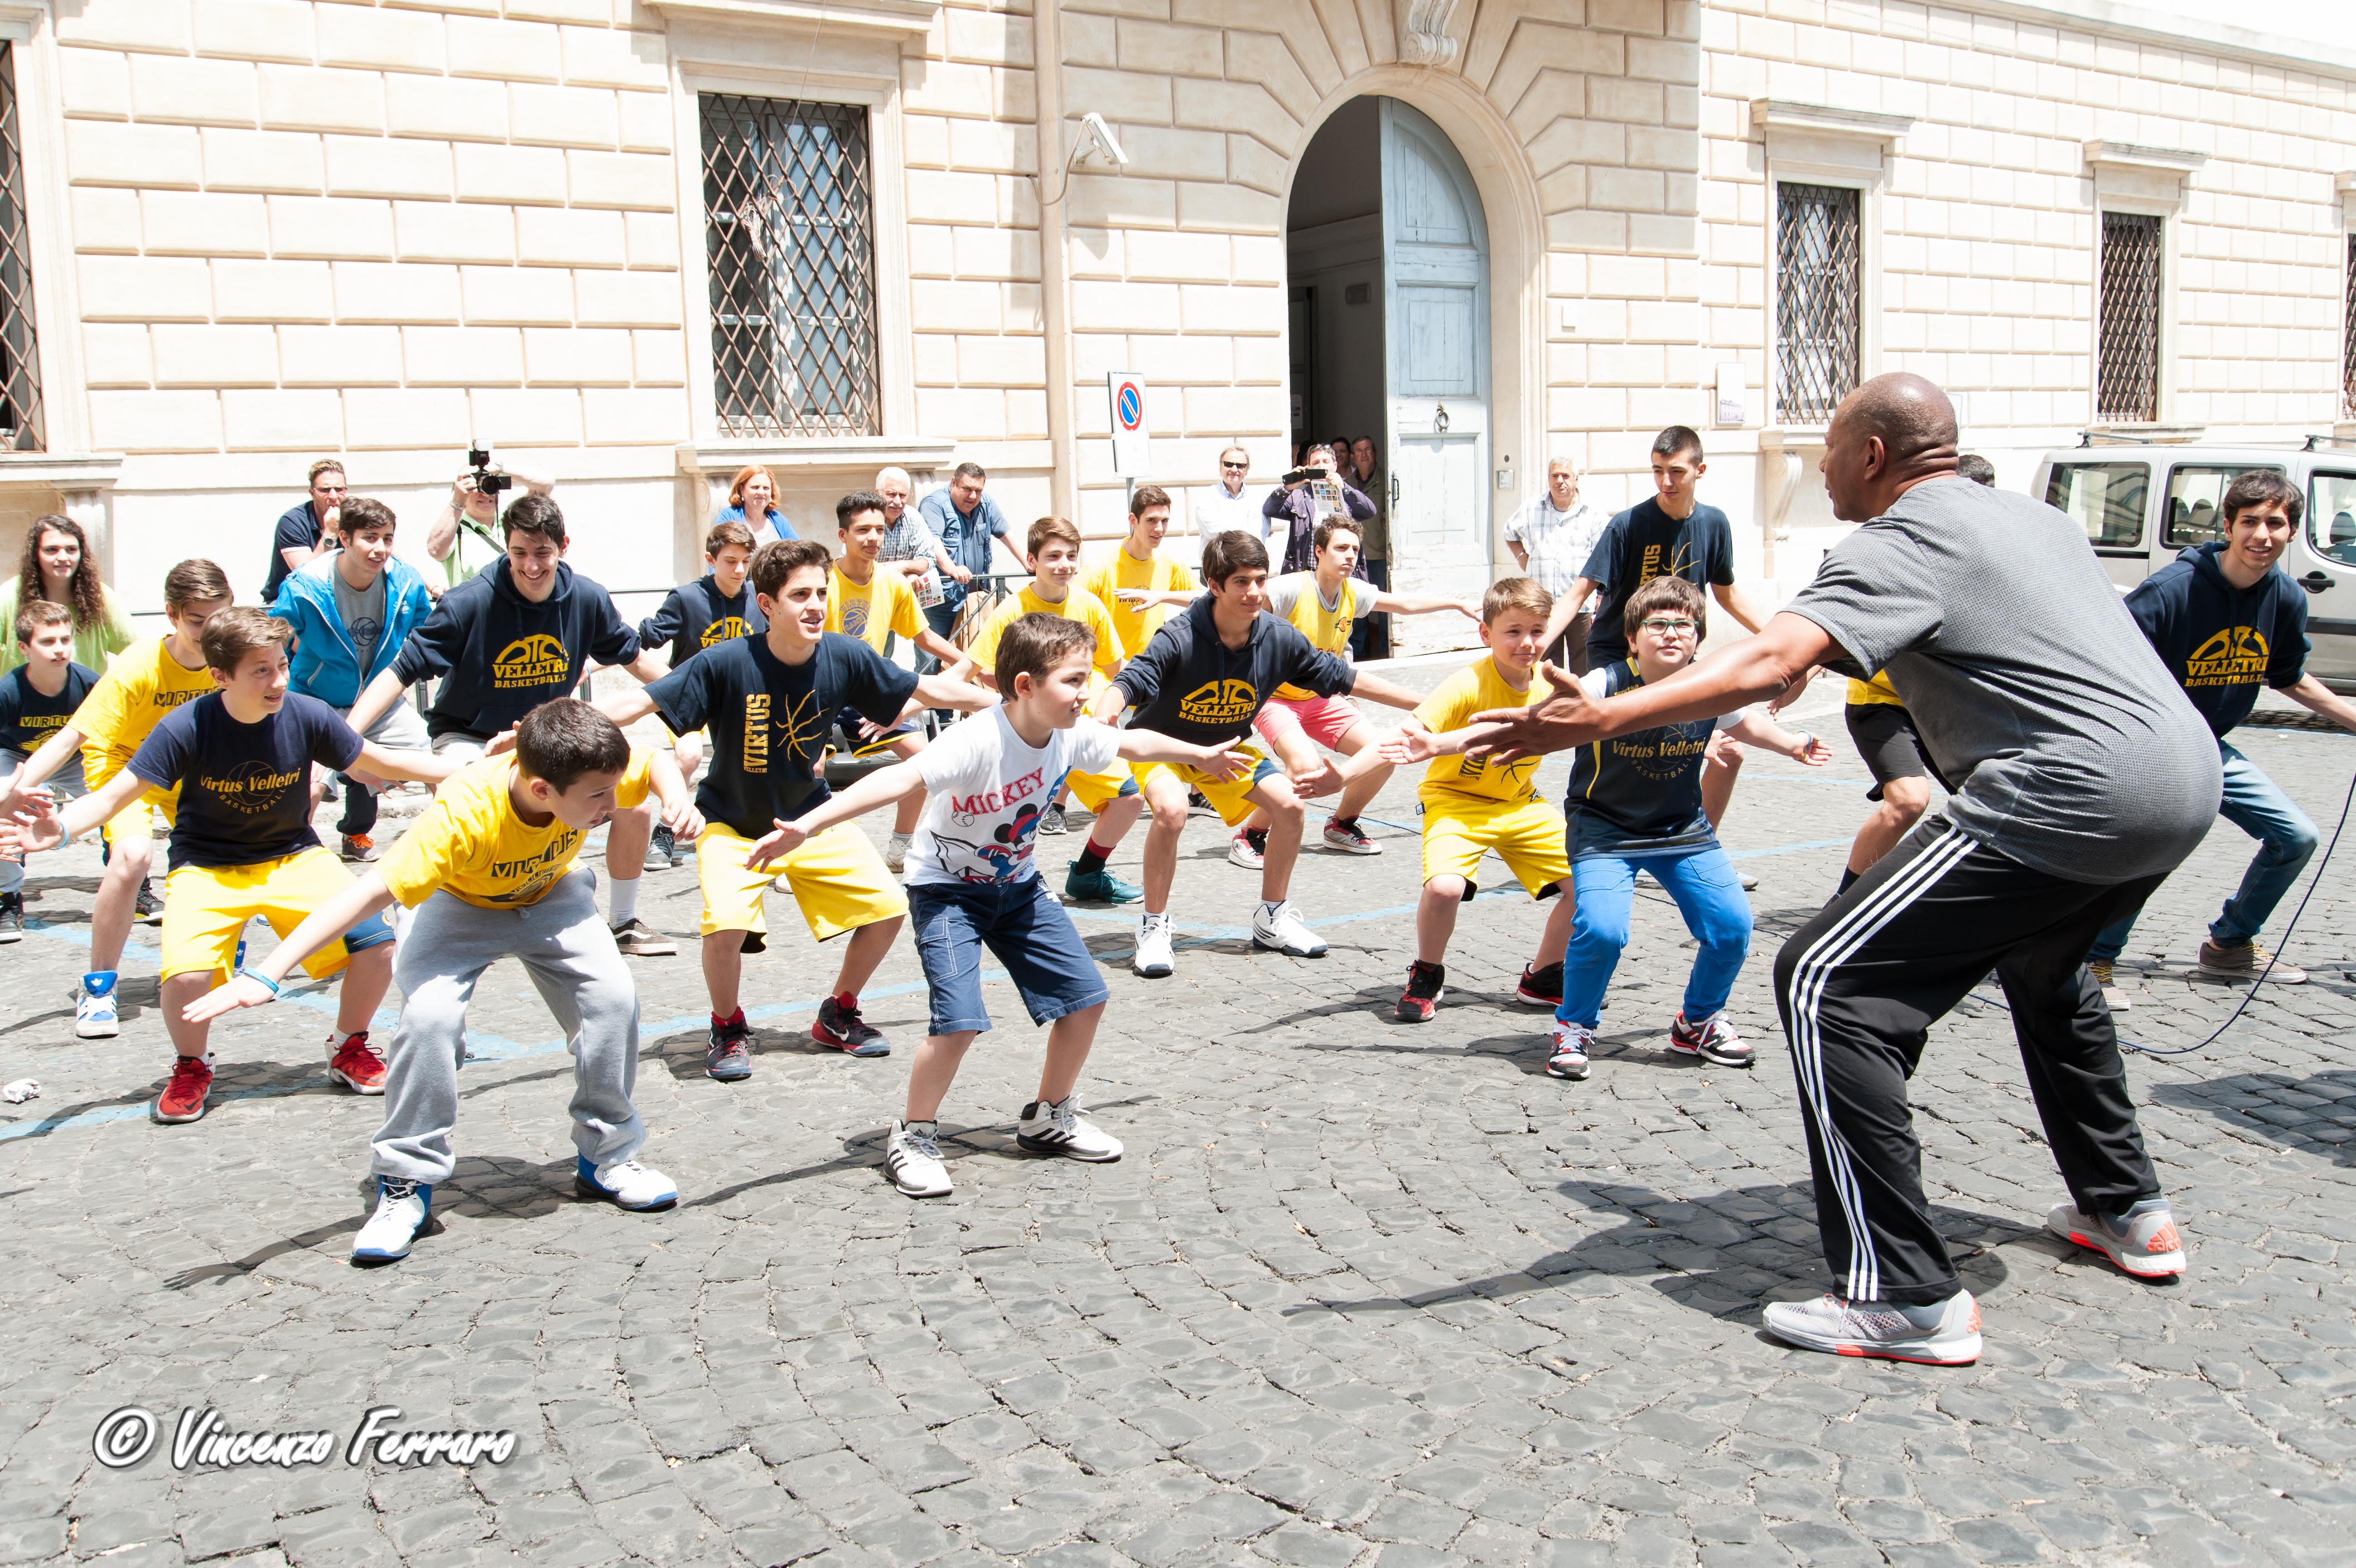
<point>965,520</point>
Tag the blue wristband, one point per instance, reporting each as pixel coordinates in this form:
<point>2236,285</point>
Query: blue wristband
<point>261,980</point>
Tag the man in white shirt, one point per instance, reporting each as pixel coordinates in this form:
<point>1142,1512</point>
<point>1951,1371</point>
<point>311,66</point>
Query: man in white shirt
<point>1228,504</point>
<point>1551,539</point>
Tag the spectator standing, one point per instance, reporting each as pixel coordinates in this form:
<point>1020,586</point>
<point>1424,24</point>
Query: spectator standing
<point>1362,469</point>
<point>303,527</point>
<point>1551,538</point>
<point>1294,509</point>
<point>909,546</point>
<point>1229,503</point>
<point>753,501</point>
<point>58,567</point>
<point>469,512</point>
<point>962,515</point>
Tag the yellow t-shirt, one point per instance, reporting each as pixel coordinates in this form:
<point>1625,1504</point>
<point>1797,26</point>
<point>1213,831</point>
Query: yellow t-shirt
<point>1474,688</point>
<point>143,684</point>
<point>874,610</point>
<point>471,843</point>
<point>1078,605</point>
<point>1328,630</point>
<point>1862,693</point>
<point>1137,624</point>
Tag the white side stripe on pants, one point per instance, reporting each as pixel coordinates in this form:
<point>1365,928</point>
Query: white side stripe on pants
<point>1815,968</point>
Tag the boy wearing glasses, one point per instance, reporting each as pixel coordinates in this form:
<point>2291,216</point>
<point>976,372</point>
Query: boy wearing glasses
<point>1635,805</point>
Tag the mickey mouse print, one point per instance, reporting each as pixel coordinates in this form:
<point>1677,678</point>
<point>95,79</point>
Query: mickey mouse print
<point>986,789</point>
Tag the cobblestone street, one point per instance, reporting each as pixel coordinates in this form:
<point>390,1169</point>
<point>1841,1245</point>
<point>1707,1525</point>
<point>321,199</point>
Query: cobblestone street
<point>1361,1292</point>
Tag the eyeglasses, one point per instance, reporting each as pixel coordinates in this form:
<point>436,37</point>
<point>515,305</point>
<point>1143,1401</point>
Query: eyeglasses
<point>1664,626</point>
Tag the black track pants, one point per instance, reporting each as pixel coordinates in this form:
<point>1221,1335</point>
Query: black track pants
<point>1858,987</point>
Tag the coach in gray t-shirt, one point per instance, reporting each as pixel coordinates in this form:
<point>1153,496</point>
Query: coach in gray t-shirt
<point>2085,776</point>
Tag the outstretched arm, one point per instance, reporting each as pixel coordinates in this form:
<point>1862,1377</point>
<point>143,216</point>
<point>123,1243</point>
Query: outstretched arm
<point>884,787</point>
<point>1375,689</point>
<point>418,767</point>
<point>1738,605</point>
<point>942,691</point>
<point>1800,746</point>
<point>387,689</point>
<point>53,754</point>
<point>627,708</point>
<point>1424,604</point>
<point>365,896</point>
<point>1565,608</point>
<point>2316,697</point>
<point>1151,746</point>
<point>45,828</point>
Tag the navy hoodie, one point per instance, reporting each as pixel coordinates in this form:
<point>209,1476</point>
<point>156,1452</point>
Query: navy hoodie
<point>501,656</point>
<point>2221,641</point>
<point>696,616</point>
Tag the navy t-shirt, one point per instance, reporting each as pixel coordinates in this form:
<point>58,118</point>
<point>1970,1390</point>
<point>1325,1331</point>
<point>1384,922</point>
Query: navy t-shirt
<point>245,789</point>
<point>298,529</point>
<point>1189,684</point>
<point>1644,542</point>
<point>1640,794</point>
<point>28,719</point>
<point>769,721</point>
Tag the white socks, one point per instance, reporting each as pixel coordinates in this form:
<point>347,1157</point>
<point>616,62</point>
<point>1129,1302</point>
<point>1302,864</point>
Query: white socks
<point>626,899</point>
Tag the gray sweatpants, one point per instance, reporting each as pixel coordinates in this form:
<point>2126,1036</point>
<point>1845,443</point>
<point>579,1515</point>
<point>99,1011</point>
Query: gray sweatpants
<point>568,950</point>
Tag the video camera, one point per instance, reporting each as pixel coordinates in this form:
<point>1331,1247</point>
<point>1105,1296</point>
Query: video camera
<point>486,482</point>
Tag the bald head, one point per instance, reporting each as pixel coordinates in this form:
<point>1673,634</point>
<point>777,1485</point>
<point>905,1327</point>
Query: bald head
<point>1887,436</point>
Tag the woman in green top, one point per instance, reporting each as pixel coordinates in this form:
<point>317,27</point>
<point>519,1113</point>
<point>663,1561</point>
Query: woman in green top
<point>58,567</point>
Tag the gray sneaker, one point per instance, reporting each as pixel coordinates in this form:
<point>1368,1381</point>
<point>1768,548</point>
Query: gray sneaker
<point>1947,1335</point>
<point>2143,1241</point>
<point>912,1158</point>
<point>2245,960</point>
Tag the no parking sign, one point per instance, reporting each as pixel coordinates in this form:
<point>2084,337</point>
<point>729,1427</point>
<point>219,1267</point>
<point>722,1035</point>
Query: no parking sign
<point>1126,391</point>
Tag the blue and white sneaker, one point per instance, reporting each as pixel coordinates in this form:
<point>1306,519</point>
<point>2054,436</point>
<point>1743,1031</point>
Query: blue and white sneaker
<point>401,1209</point>
<point>94,1015</point>
<point>624,1184</point>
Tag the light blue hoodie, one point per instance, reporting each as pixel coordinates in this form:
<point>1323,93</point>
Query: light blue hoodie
<point>325,663</point>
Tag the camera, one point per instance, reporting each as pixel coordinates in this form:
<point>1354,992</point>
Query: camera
<point>485,481</point>
<point>1303,476</point>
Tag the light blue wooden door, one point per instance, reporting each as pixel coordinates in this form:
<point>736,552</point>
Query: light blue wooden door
<point>1436,288</point>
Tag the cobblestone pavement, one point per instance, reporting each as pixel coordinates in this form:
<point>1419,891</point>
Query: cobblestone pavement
<point>1361,1292</point>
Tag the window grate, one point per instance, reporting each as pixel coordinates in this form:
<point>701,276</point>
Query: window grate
<point>789,240</point>
<point>2348,341</point>
<point>20,363</point>
<point>2126,373</point>
<point>1818,249</point>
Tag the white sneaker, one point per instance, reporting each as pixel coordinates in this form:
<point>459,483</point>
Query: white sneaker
<point>1154,959</point>
<point>895,853</point>
<point>1242,852</point>
<point>625,1185</point>
<point>1878,1328</point>
<point>94,1013</point>
<point>1049,1127</point>
<point>1572,1044</point>
<point>1285,931</point>
<point>1713,1039</point>
<point>912,1158</point>
<point>402,1207</point>
<point>2106,975</point>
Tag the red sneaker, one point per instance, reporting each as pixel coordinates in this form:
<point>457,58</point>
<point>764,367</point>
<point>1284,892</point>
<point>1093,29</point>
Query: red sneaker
<point>183,1098</point>
<point>838,1025</point>
<point>355,1064</point>
<point>1421,997</point>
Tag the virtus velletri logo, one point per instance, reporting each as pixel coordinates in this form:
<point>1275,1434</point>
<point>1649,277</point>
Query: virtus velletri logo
<point>535,661</point>
<point>1219,703</point>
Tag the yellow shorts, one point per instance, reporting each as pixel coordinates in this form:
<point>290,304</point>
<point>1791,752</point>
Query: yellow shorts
<point>206,906</point>
<point>1232,801</point>
<point>136,821</point>
<point>1527,835</point>
<point>839,880</point>
<point>1097,791</point>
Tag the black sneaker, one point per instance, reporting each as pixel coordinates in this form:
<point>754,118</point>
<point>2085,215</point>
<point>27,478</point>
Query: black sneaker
<point>1541,985</point>
<point>662,851</point>
<point>1421,998</point>
<point>12,917</point>
<point>838,1025</point>
<point>146,908</point>
<point>727,1053</point>
<point>1051,821</point>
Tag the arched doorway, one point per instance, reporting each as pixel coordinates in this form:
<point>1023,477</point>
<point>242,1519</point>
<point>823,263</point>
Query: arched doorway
<point>1388,252</point>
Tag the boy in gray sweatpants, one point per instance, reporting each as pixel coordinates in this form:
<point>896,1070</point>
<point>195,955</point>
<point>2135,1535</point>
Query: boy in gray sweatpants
<point>488,872</point>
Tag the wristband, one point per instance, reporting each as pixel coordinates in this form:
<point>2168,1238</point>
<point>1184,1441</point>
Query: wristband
<point>260,978</point>
<point>1807,742</point>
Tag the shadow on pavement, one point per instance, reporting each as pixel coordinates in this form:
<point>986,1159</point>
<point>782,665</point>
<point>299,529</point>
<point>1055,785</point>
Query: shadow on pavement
<point>2297,1112</point>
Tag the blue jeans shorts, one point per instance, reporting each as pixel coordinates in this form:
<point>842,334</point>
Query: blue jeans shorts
<point>1024,928</point>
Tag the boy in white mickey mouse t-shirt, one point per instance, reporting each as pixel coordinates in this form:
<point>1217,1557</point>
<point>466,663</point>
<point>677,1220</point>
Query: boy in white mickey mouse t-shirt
<point>972,884</point>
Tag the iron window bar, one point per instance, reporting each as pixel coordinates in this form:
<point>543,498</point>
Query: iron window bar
<point>21,418</point>
<point>1819,248</point>
<point>2126,374</point>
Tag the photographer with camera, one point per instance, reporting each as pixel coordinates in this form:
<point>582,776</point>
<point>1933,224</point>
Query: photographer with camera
<point>473,510</point>
<point>1296,506</point>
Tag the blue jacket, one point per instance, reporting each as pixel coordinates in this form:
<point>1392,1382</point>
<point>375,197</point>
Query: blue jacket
<point>325,663</point>
<point>2221,641</point>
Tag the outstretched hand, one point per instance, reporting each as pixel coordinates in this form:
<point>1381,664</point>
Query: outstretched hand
<point>1403,747</point>
<point>243,991</point>
<point>1325,779</point>
<point>1816,753</point>
<point>501,744</point>
<point>683,819</point>
<point>1567,719</point>
<point>1225,764</point>
<point>772,847</point>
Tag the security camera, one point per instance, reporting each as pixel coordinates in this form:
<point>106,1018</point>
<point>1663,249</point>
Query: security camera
<point>1097,138</point>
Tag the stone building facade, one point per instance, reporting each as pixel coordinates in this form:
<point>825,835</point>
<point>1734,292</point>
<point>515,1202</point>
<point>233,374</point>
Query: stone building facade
<point>634,244</point>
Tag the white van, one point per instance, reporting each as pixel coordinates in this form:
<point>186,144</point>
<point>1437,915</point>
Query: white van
<point>2141,505</point>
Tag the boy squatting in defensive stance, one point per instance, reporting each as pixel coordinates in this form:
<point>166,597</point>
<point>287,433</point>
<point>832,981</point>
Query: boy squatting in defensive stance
<point>243,845</point>
<point>973,883</point>
<point>486,872</point>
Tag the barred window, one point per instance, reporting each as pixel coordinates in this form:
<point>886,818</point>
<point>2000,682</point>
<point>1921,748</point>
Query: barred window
<point>2126,370</point>
<point>20,365</point>
<point>1819,308</point>
<point>789,238</point>
<point>2348,341</point>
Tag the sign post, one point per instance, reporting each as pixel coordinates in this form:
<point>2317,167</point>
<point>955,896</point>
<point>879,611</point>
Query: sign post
<point>1125,390</point>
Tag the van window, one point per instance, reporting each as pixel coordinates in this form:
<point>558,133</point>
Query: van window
<point>2107,499</point>
<point>2332,515</point>
<point>2196,493</point>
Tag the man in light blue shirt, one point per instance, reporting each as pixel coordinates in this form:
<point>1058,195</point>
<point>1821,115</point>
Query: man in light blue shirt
<point>965,520</point>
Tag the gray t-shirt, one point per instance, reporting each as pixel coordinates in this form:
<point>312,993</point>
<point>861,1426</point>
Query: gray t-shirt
<point>363,616</point>
<point>2076,753</point>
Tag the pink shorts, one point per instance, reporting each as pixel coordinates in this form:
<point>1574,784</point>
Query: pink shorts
<point>1327,719</point>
